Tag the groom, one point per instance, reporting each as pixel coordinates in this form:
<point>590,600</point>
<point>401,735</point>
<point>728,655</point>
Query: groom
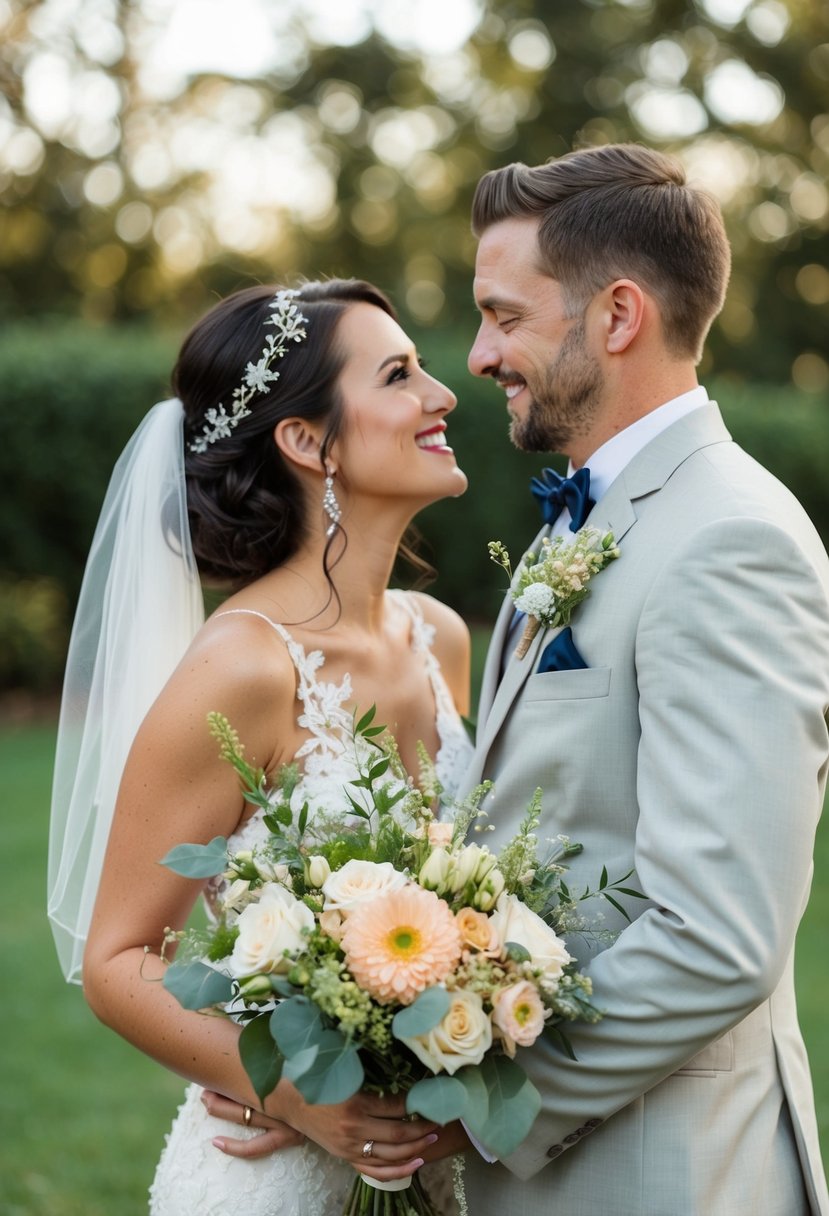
<point>681,731</point>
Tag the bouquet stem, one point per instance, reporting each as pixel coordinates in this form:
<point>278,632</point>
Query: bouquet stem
<point>531,627</point>
<point>367,1199</point>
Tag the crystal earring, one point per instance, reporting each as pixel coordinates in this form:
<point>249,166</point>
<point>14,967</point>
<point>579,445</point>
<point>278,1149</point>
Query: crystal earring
<point>330,505</point>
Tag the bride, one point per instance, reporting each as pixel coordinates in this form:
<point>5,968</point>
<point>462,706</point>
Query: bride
<point>304,437</point>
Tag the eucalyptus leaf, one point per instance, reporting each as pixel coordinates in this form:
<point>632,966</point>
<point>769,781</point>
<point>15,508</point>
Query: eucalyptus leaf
<point>197,986</point>
<point>423,1015</point>
<point>198,860</point>
<point>439,1098</point>
<point>517,952</point>
<point>295,1024</point>
<point>478,1095</point>
<point>336,1073</point>
<point>513,1105</point>
<point>298,1064</point>
<point>261,1058</point>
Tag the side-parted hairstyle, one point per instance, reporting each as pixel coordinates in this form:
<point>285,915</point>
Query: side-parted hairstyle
<point>246,506</point>
<point>616,212</point>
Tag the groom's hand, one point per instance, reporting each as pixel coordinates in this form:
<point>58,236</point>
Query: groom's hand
<point>271,1134</point>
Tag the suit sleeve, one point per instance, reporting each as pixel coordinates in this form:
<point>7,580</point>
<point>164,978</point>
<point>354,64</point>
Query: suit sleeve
<point>732,662</point>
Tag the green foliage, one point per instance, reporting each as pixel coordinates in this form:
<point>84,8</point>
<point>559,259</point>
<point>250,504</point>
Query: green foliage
<point>76,394</point>
<point>71,395</point>
<point>197,986</point>
<point>198,860</point>
<point>422,1015</point>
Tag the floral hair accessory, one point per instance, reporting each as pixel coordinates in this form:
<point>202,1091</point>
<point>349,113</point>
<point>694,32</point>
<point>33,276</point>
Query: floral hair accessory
<point>547,586</point>
<point>290,327</point>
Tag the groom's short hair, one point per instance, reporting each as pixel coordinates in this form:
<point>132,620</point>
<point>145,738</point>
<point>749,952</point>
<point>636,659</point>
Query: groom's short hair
<point>614,212</point>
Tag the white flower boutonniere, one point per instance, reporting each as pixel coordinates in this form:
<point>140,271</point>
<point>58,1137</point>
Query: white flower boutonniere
<point>549,585</point>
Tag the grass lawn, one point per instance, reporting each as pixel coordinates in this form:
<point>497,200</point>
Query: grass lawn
<point>82,1115</point>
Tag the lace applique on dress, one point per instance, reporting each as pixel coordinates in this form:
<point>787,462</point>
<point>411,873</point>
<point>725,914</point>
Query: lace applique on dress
<point>194,1178</point>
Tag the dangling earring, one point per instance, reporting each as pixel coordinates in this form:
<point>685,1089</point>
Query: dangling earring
<point>329,503</point>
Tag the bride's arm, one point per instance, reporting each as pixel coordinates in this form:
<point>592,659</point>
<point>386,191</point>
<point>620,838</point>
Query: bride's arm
<point>175,789</point>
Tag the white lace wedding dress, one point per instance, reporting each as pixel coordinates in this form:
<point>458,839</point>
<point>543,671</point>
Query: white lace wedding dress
<point>193,1177</point>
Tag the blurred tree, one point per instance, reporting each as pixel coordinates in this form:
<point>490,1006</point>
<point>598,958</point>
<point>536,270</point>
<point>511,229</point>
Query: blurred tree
<point>132,186</point>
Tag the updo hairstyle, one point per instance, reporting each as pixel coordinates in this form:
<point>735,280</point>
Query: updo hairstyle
<point>246,505</point>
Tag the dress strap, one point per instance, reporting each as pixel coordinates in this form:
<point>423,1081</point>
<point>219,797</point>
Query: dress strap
<point>423,637</point>
<point>309,690</point>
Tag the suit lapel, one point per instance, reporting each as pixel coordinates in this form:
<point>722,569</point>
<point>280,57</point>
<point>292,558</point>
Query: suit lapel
<point>615,512</point>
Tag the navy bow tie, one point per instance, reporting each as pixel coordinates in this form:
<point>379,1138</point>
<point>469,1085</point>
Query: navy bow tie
<point>554,492</point>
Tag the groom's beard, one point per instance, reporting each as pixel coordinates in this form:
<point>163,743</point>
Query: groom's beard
<point>565,405</point>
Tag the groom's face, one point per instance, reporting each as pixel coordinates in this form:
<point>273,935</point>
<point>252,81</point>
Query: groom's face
<point>531,344</point>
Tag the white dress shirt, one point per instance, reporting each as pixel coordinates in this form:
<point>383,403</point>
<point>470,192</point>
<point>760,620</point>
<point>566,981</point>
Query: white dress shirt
<point>608,461</point>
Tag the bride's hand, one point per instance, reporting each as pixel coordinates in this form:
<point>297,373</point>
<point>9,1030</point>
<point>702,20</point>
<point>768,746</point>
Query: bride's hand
<point>373,1134</point>
<point>274,1135</point>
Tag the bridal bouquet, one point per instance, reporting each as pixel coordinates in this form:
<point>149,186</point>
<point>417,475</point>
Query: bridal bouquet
<point>374,949</point>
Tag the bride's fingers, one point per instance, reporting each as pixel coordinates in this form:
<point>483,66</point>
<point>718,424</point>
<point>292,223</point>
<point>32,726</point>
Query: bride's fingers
<point>383,1155</point>
<point>260,1145</point>
<point>221,1107</point>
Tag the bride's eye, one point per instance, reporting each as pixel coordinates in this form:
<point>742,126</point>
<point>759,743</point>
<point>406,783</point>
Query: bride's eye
<point>403,372</point>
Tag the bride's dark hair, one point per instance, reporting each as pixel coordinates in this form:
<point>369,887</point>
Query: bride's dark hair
<point>247,510</point>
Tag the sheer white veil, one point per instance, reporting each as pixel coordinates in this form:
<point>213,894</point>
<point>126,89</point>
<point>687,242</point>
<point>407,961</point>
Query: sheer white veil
<point>139,608</point>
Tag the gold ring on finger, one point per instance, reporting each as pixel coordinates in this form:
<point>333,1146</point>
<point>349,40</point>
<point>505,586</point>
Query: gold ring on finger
<point>247,1115</point>
<point>368,1148</point>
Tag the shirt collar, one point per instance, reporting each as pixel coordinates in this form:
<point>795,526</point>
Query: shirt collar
<point>608,461</point>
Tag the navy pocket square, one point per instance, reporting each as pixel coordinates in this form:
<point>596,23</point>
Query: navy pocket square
<point>561,654</point>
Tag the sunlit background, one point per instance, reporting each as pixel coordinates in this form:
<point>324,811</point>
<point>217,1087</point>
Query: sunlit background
<point>153,152</point>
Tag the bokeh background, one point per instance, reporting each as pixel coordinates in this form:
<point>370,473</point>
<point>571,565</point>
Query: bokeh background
<point>156,154</point>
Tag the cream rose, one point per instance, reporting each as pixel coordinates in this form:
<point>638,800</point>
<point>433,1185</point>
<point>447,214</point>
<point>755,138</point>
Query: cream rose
<point>269,930</point>
<point>515,922</point>
<point>517,1011</point>
<point>463,1037</point>
<point>476,930</point>
<point>359,881</point>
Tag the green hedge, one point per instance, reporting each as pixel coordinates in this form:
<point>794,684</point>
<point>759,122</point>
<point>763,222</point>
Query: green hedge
<point>72,395</point>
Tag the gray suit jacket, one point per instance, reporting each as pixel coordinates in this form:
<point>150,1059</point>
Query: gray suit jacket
<point>694,749</point>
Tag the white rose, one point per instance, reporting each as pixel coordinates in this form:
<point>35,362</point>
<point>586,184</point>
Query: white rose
<point>268,930</point>
<point>515,922</point>
<point>463,1037</point>
<point>359,881</point>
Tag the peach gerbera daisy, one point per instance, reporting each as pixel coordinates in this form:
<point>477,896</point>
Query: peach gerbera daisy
<point>401,943</point>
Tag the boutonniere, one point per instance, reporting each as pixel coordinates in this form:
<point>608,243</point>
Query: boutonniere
<point>550,584</point>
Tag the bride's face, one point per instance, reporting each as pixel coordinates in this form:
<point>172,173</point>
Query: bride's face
<point>393,442</point>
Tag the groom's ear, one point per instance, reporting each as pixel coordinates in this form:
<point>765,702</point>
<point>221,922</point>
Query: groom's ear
<point>625,306</point>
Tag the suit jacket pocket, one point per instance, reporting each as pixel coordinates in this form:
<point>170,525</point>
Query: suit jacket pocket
<point>568,685</point>
<point>716,1057</point>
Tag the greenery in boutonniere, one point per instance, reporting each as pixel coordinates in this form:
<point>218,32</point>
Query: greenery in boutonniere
<point>549,585</point>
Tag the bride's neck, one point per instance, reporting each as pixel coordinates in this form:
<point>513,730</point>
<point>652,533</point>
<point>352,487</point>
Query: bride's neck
<point>359,562</point>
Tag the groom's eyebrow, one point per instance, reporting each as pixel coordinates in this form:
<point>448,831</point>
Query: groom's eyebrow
<point>492,303</point>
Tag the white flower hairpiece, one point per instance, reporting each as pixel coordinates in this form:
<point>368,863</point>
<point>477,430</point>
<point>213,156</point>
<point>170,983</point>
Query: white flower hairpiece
<point>290,327</point>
